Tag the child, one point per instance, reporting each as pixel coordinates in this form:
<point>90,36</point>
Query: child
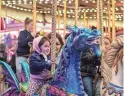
<point>39,64</point>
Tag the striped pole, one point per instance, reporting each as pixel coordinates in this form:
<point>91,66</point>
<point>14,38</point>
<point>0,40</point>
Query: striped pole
<point>76,12</point>
<point>65,16</point>
<point>113,20</point>
<point>34,17</point>
<point>53,35</point>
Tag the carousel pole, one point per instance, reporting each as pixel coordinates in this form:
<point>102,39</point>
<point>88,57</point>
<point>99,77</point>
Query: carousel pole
<point>65,16</point>
<point>101,20</point>
<point>113,20</point>
<point>84,17</point>
<point>109,18</point>
<point>58,20</point>
<point>76,12</point>
<point>34,17</point>
<point>98,14</point>
<point>53,35</point>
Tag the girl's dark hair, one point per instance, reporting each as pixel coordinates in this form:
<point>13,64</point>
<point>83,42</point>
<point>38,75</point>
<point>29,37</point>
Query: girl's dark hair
<point>27,21</point>
<point>43,40</point>
<point>57,36</point>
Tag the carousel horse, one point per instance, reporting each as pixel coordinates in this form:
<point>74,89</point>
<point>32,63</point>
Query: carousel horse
<point>9,84</point>
<point>112,70</point>
<point>67,80</point>
<point>8,78</point>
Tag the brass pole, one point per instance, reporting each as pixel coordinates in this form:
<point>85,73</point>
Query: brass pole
<point>101,20</point>
<point>76,12</point>
<point>84,17</point>
<point>65,16</point>
<point>98,14</point>
<point>34,17</point>
<point>109,18</point>
<point>58,20</point>
<point>113,20</point>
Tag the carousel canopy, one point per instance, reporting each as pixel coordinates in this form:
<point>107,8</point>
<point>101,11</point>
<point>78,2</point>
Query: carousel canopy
<point>45,6</point>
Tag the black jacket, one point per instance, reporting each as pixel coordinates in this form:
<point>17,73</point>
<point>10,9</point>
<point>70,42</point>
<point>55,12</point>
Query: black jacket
<point>89,61</point>
<point>37,63</point>
<point>24,38</point>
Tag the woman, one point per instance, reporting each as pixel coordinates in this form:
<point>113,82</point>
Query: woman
<point>59,44</point>
<point>23,49</point>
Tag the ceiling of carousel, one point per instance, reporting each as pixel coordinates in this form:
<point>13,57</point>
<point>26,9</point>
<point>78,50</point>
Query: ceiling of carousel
<point>44,6</point>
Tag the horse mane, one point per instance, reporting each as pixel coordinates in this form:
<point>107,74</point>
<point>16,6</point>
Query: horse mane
<point>111,58</point>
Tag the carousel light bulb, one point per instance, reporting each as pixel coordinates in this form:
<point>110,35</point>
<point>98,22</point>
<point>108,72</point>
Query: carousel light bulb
<point>94,10</point>
<point>86,1</point>
<point>46,2</point>
<point>25,9</point>
<point>10,5</point>
<point>14,6</point>
<point>29,10</point>
<point>69,16</point>
<point>30,2</point>
<point>40,2</point>
<point>7,4</point>
<point>69,2</point>
<point>17,7</point>
<point>94,1</point>
<point>86,10</point>
<point>48,12</point>
<point>91,11</point>
<point>41,11</point>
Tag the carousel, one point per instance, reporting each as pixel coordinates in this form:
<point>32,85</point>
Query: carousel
<point>74,17</point>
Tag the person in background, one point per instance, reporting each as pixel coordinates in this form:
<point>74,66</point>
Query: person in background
<point>39,64</point>
<point>59,42</point>
<point>89,63</point>
<point>59,45</point>
<point>107,42</point>
<point>3,52</point>
<point>23,49</point>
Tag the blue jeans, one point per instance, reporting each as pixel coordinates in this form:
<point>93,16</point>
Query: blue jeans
<point>88,85</point>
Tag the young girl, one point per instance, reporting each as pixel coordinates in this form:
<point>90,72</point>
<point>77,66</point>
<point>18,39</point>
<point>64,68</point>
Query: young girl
<point>39,64</point>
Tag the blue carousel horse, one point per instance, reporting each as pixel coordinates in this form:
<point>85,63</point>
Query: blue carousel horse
<point>67,79</point>
<point>11,82</point>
